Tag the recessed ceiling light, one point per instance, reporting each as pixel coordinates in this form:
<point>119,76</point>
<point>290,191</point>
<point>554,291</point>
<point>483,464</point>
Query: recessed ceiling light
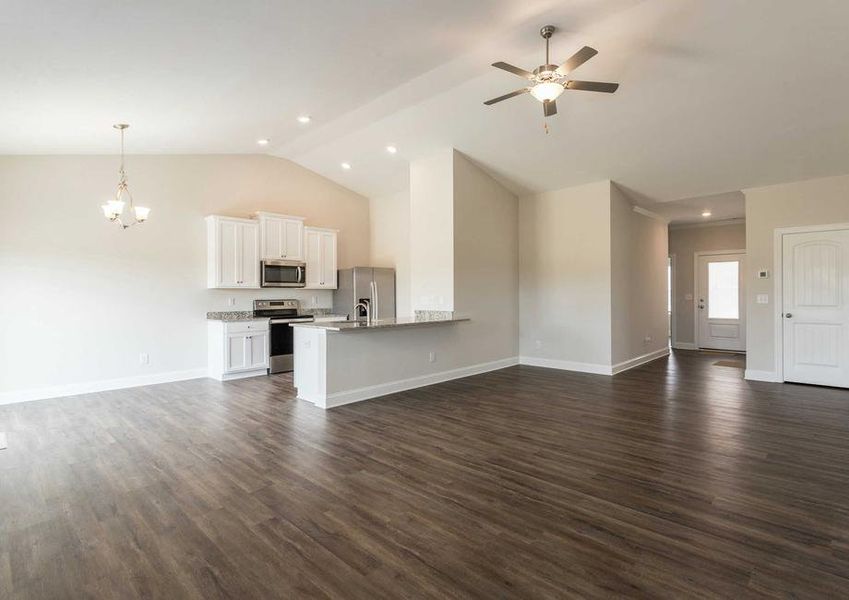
<point>391,149</point>
<point>304,119</point>
<point>263,142</point>
<point>706,213</point>
<point>346,166</point>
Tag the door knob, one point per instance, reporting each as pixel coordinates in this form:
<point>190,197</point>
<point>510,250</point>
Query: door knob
<point>789,315</point>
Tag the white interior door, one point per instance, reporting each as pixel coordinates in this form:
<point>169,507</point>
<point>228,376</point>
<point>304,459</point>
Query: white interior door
<point>721,311</point>
<point>815,305</point>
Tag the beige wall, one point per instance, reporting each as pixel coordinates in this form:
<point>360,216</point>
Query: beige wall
<point>82,299</point>
<point>565,275</point>
<point>432,232</point>
<point>813,202</point>
<point>684,242</point>
<point>390,243</point>
<point>638,281</point>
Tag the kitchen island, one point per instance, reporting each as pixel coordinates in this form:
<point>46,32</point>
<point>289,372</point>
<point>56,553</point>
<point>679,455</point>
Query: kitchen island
<point>342,362</point>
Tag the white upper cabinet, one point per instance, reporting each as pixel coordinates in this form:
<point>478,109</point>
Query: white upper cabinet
<point>232,252</point>
<point>281,236</point>
<point>320,258</point>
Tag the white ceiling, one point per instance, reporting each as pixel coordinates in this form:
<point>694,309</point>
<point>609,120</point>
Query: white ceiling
<point>722,207</point>
<point>715,96</point>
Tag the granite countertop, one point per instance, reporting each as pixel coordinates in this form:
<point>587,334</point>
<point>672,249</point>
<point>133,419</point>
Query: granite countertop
<point>248,315</point>
<point>233,315</point>
<point>348,326</point>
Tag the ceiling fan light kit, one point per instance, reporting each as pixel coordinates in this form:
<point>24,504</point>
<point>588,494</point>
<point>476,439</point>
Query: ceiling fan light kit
<point>550,81</point>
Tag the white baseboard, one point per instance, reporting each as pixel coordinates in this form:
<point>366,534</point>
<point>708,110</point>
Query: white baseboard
<point>755,375</point>
<point>684,346</point>
<point>232,376</point>
<point>103,385</point>
<point>594,368</point>
<point>639,360</point>
<point>391,387</point>
<point>566,365</point>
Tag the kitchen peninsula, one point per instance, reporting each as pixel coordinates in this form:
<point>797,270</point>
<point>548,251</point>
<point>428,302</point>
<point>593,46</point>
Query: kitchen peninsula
<point>342,362</point>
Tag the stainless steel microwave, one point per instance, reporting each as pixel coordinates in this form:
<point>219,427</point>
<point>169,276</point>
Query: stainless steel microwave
<point>283,273</point>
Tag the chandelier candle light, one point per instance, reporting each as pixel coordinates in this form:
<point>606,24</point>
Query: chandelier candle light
<point>113,209</point>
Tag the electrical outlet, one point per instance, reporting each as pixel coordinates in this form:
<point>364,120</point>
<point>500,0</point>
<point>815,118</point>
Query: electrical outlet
<point>762,299</point>
<point>144,358</point>
<point>431,357</point>
<point>315,300</point>
<point>647,339</point>
<point>231,302</point>
<point>538,344</point>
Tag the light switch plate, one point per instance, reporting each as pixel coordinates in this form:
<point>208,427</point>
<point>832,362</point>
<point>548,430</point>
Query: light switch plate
<point>688,297</point>
<point>762,299</point>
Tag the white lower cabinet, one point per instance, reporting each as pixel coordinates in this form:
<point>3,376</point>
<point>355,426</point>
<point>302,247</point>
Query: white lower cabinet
<point>237,348</point>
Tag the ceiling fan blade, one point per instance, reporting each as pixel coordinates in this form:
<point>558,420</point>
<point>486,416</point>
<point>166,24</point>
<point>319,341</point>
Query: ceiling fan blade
<point>506,96</point>
<point>515,70</point>
<point>592,86</point>
<point>579,58</point>
<point>549,108</point>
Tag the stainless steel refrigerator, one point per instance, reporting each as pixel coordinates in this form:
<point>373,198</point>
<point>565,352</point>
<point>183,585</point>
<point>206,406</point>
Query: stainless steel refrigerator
<point>370,285</point>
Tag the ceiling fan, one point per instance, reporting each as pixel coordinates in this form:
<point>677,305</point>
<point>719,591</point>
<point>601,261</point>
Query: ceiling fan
<point>549,81</point>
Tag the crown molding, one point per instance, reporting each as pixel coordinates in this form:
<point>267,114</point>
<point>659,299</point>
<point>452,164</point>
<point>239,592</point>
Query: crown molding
<point>739,221</point>
<point>652,215</point>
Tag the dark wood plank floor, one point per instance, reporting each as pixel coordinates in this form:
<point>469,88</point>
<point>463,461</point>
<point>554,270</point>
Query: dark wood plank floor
<point>677,479</point>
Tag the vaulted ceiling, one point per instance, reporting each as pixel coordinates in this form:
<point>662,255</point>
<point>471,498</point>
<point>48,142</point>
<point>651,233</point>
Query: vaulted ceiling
<point>715,96</point>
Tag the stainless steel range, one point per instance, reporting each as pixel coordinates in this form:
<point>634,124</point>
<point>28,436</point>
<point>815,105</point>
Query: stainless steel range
<point>280,314</point>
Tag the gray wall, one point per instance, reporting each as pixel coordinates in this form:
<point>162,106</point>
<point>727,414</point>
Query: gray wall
<point>486,261</point>
<point>638,272</point>
<point>564,274</point>
<point>684,242</point>
<point>813,202</point>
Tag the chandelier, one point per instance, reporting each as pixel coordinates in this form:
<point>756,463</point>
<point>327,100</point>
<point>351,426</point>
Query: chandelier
<point>113,209</point>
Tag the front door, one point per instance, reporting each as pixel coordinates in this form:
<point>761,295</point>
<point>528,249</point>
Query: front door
<point>721,319</point>
<point>815,305</point>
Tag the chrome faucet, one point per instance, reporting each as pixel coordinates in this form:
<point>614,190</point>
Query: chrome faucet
<point>366,307</point>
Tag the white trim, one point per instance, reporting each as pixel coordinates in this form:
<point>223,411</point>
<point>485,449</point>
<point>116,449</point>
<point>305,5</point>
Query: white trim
<point>639,360</point>
<point>652,215</point>
<point>103,385</point>
<point>754,375</point>
<point>778,292</point>
<point>566,365</point>
<point>238,375</point>
<point>391,387</point>
<point>721,223</point>
<point>673,311</point>
<point>696,324</point>
<point>684,346</point>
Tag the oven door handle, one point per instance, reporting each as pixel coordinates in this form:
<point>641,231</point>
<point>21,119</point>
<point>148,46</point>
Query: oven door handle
<point>283,321</point>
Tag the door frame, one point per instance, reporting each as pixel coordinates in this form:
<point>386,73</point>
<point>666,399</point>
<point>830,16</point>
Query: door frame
<point>696,256</point>
<point>778,288</point>
<point>673,312</point>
